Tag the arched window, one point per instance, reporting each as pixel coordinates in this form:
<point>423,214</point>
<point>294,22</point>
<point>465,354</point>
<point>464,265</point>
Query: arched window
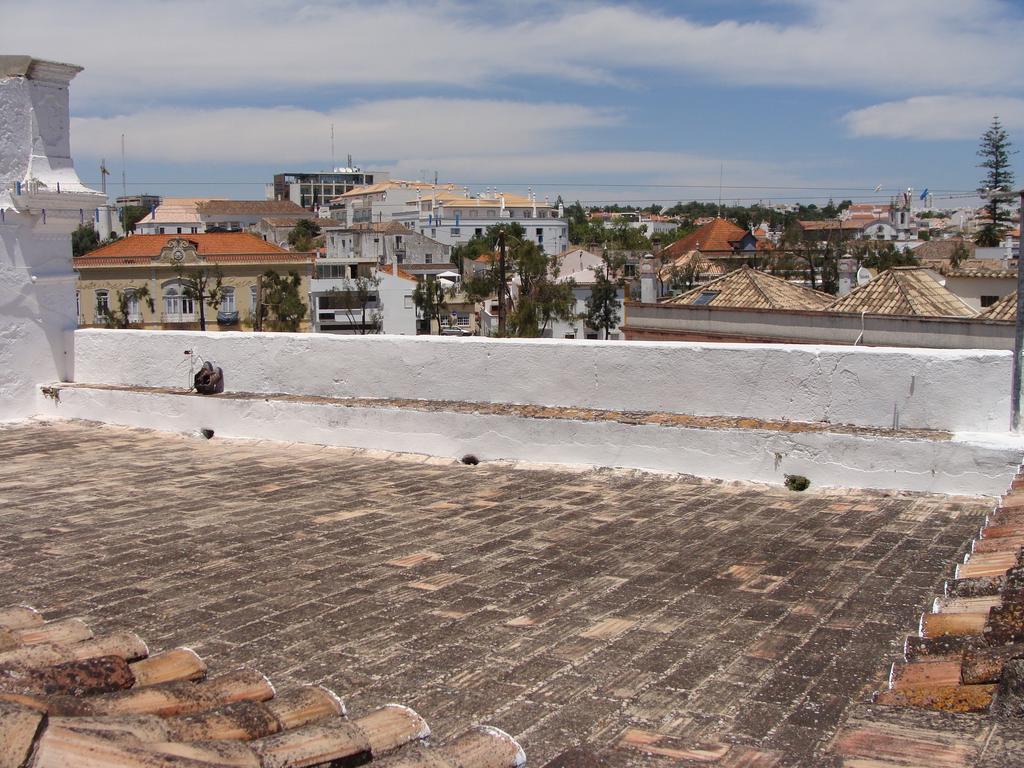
<point>178,307</point>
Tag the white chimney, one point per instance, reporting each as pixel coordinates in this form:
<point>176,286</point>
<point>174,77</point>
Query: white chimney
<point>42,201</point>
<point>648,280</point>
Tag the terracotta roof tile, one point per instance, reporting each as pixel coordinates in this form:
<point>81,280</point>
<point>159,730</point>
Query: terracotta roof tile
<point>718,235</point>
<point>222,247</point>
<point>903,291</point>
<point>751,289</point>
<point>1004,309</point>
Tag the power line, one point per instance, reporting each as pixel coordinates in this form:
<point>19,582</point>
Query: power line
<point>588,185</point>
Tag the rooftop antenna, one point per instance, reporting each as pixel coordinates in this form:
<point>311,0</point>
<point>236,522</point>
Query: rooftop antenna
<point>124,175</point>
<point>103,176</point>
<point>721,168</point>
<point>435,178</point>
<point>332,146</point>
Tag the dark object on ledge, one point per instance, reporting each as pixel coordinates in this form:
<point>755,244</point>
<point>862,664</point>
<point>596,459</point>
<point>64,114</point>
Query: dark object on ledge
<point>797,482</point>
<point>227,318</point>
<point>209,380</point>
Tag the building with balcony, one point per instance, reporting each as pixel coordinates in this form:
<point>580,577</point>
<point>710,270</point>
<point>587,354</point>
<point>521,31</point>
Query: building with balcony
<point>162,263</point>
<point>454,218</point>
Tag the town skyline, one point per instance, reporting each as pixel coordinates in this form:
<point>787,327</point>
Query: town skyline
<point>595,101</point>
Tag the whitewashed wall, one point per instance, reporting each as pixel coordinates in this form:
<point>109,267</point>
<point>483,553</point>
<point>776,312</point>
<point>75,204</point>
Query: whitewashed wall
<point>959,390</point>
<point>37,284</point>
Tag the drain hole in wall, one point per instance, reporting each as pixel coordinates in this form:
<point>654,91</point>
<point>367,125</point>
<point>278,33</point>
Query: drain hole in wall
<point>470,459</point>
<point>206,432</point>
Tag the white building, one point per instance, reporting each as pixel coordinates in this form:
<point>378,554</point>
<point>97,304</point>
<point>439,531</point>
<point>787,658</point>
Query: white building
<point>382,244</point>
<point>374,301</point>
<point>42,201</point>
<point>191,216</point>
<point>581,267</point>
<point>359,286</point>
<point>377,203</point>
<point>454,218</point>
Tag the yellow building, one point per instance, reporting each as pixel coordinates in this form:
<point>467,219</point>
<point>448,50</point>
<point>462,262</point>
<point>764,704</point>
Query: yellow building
<point>164,265</point>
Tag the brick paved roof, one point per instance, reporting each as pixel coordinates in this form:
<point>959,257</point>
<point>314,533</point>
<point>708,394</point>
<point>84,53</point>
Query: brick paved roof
<point>645,617</point>
<point>909,291</point>
<point>752,289</point>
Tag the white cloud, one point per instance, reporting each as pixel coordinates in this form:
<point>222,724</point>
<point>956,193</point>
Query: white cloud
<point>385,129</point>
<point>935,117</point>
<point>150,50</point>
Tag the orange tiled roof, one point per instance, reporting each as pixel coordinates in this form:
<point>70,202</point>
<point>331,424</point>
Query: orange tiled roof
<point>903,291</point>
<point>717,236</point>
<point>225,247</point>
<point>752,289</point>
<point>1004,309</point>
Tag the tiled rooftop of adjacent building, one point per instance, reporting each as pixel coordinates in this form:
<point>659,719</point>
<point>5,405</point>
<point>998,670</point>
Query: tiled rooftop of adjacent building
<point>731,624</point>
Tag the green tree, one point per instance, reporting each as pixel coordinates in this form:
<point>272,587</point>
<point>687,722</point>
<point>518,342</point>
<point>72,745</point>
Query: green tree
<point>541,297</point>
<point>121,317</point>
<point>431,301</point>
<point>960,255</point>
<point>130,216</point>
<point>359,299</point>
<point>603,303</point>
<point>997,184</point>
<point>881,256</point>
<point>282,299</point>
<point>204,286</point>
<point>84,239</point>
<point>303,235</point>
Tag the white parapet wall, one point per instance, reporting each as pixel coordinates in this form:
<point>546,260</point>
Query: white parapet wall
<point>827,458</point>
<point>954,390</point>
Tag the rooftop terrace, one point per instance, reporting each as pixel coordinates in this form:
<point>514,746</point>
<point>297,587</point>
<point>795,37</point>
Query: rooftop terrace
<point>623,612</point>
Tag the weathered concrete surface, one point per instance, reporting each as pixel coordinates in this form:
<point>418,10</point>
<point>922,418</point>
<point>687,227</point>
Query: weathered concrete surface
<point>717,447</point>
<point>651,620</point>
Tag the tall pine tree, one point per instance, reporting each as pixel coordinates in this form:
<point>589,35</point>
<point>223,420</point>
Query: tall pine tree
<point>995,151</point>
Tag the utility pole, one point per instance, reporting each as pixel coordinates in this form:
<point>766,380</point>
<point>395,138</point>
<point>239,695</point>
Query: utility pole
<point>1018,337</point>
<point>501,283</point>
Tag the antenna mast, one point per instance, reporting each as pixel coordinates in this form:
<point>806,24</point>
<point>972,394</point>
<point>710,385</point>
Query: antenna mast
<point>103,176</point>
<point>332,146</point>
<point>721,167</point>
<point>124,176</point>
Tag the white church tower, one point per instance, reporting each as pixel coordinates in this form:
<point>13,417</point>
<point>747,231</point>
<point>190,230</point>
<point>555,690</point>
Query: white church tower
<point>42,201</point>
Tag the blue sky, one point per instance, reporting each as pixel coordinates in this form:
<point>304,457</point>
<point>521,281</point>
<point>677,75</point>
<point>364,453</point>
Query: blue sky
<point>599,101</point>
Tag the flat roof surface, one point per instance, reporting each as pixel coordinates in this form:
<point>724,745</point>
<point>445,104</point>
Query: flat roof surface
<point>618,610</point>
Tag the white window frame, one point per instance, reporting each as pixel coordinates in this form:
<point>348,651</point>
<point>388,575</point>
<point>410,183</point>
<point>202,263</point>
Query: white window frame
<point>178,308</point>
<point>227,301</point>
<point>133,306</point>
<point>102,304</point>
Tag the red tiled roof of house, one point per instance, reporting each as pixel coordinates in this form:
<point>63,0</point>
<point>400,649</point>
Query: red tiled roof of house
<point>907,291</point>
<point>224,247</point>
<point>717,236</point>
<point>751,289</point>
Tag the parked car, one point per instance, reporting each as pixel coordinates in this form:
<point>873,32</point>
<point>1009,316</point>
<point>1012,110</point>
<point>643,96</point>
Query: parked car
<point>453,330</point>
